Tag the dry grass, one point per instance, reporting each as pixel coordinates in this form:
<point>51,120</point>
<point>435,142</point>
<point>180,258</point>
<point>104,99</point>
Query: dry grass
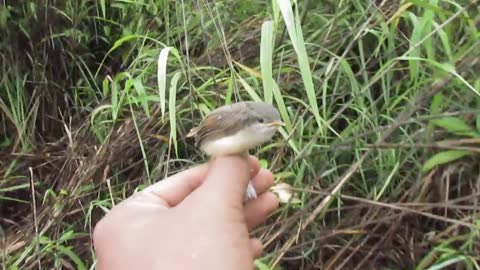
<point>382,98</point>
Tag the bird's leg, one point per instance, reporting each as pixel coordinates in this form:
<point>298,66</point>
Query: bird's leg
<point>250,193</point>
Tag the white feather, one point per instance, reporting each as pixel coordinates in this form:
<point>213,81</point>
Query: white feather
<point>239,142</point>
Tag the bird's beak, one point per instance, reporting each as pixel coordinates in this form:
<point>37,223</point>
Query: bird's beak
<point>275,124</point>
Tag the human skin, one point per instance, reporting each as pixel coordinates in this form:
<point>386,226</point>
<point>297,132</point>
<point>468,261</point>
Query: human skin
<point>195,219</point>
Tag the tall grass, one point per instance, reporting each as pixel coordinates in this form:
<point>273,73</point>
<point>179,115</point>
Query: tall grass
<point>380,101</point>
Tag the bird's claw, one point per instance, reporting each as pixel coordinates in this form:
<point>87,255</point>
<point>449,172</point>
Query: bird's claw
<point>251,193</point>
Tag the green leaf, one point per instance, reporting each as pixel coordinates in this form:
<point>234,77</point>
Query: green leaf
<point>294,29</point>
<point>443,158</point>
<point>43,240</point>
<point>162,77</point>
<point>415,50</point>
<point>477,122</point>
<point>276,12</point>
<point>261,266</point>
<point>68,235</point>
<point>266,52</point>
<point>74,257</point>
<point>443,37</point>
<point>115,107</point>
<point>105,86</point>
<point>251,92</point>
<point>435,108</point>
<point>281,106</point>
<point>120,42</point>
<point>104,9</point>
<point>231,81</point>
<point>437,103</point>
<point>447,67</point>
<point>263,163</point>
<point>446,263</point>
<point>284,175</point>
<point>455,125</point>
<point>142,95</point>
<point>172,109</point>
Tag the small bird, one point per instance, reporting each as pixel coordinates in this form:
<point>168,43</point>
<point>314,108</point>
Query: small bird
<point>234,129</point>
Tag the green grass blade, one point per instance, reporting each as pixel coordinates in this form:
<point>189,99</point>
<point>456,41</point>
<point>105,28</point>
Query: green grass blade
<point>455,126</point>
<point>445,67</point>
<point>104,9</point>
<point>251,92</point>
<point>119,43</point>
<point>261,266</point>
<point>426,27</point>
<point>477,123</point>
<point>446,263</point>
<point>281,106</point>
<point>162,78</point>
<point>266,52</point>
<point>172,109</point>
<point>443,36</point>
<point>443,158</point>
<point>115,97</point>
<point>294,30</point>
<point>228,97</point>
<point>276,12</point>
<point>73,256</point>
<point>387,181</point>
<point>140,140</point>
<point>142,95</point>
<point>415,38</point>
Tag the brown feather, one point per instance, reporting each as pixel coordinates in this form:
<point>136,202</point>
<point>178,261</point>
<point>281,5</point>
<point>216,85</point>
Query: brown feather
<point>229,119</point>
<point>220,122</point>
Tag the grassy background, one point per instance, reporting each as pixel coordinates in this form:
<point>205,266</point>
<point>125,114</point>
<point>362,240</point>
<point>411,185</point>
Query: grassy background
<point>381,101</point>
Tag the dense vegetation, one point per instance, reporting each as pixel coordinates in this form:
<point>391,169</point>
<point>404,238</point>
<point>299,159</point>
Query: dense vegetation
<point>381,101</point>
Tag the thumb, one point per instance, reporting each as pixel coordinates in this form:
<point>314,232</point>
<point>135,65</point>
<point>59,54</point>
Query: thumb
<point>227,179</point>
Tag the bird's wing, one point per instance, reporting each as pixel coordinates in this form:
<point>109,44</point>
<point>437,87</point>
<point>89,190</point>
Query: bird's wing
<point>221,122</point>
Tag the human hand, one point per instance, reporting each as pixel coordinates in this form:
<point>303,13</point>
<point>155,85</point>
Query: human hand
<point>195,219</point>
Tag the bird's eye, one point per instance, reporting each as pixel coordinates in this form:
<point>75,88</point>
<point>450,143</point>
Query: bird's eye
<point>260,120</point>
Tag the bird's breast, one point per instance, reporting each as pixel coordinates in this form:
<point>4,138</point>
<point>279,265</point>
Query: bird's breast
<point>234,144</point>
